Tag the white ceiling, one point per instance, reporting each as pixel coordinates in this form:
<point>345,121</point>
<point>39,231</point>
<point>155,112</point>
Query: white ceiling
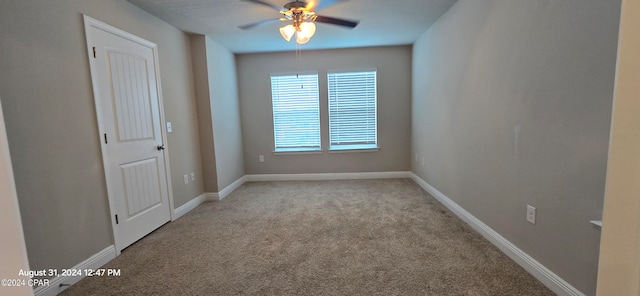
<point>382,22</point>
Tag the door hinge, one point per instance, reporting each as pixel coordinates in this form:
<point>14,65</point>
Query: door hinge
<point>116,219</point>
<point>105,139</point>
<point>94,52</point>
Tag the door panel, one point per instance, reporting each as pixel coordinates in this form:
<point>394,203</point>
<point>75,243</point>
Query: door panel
<point>132,104</point>
<point>141,186</point>
<point>123,69</point>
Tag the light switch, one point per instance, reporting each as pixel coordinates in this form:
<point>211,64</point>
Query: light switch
<point>169,128</point>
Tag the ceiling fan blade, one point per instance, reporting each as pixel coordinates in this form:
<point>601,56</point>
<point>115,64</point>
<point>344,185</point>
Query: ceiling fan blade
<point>315,5</point>
<point>276,7</point>
<point>258,24</point>
<point>335,21</point>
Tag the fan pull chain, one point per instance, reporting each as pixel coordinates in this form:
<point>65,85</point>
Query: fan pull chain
<point>299,62</point>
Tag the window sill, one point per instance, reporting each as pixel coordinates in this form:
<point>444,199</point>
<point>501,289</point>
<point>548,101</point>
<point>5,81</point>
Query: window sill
<point>296,152</point>
<point>354,149</point>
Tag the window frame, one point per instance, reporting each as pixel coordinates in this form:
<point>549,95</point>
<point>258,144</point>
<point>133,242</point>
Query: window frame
<point>297,149</point>
<point>358,147</point>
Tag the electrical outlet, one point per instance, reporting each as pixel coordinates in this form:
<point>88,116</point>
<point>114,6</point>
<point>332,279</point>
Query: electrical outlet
<point>261,158</point>
<point>193,176</point>
<point>531,214</point>
<point>186,179</point>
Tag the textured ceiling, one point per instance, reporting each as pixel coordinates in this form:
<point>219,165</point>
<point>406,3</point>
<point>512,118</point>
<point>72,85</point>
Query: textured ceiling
<point>382,22</point>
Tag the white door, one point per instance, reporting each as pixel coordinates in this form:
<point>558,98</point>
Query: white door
<point>123,70</point>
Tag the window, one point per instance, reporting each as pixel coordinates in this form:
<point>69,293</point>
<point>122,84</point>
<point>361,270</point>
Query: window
<point>296,112</point>
<point>352,110</point>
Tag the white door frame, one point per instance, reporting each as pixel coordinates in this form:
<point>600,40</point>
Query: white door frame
<point>13,246</point>
<point>91,22</point>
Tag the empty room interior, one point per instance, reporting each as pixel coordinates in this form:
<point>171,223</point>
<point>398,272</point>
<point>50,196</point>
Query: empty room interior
<point>414,147</point>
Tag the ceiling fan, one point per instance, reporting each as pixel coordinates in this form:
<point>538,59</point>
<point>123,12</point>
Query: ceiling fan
<point>303,16</point>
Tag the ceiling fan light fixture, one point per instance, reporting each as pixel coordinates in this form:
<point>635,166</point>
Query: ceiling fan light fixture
<point>307,29</point>
<point>305,32</point>
<point>302,39</point>
<point>302,15</point>
<point>287,32</point>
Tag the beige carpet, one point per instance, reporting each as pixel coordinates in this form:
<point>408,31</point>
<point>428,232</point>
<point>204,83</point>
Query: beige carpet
<point>360,237</point>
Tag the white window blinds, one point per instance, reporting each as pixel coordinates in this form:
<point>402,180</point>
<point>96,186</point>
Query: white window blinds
<point>352,110</point>
<point>296,112</point>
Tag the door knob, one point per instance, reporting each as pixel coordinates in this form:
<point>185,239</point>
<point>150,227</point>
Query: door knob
<point>160,147</point>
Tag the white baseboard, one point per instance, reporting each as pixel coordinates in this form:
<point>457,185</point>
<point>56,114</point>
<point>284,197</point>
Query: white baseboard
<point>207,196</point>
<point>192,204</point>
<point>554,282</point>
<point>327,176</point>
<point>217,196</point>
<point>211,196</point>
<point>94,262</point>
<point>231,188</point>
<point>298,177</point>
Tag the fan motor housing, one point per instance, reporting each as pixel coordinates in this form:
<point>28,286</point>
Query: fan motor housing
<point>295,4</point>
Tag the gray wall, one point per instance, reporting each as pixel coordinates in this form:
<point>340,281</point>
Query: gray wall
<point>225,110</point>
<point>512,106</point>
<point>48,104</point>
<point>205,120</point>
<point>218,113</point>
<point>394,109</point>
